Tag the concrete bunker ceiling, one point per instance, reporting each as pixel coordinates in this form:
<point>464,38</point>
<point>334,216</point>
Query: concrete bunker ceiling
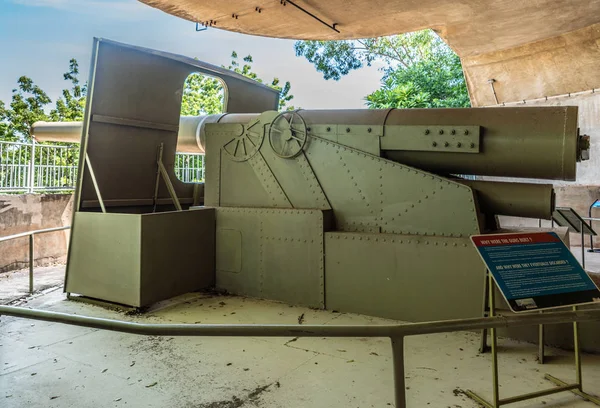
<point>531,49</point>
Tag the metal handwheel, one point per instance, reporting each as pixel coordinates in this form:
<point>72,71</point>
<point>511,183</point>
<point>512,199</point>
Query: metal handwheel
<point>244,146</point>
<point>287,134</point>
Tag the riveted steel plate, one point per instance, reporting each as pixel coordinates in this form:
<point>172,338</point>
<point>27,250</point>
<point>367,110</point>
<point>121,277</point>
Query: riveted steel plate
<point>212,174</point>
<point>372,194</point>
<point>297,179</point>
<point>360,137</point>
<point>232,183</point>
<point>229,250</point>
<point>403,277</point>
<point>438,138</point>
<point>277,197</point>
<point>416,202</point>
<point>281,253</point>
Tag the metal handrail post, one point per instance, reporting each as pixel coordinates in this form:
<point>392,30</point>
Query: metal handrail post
<point>583,245</point>
<point>495,379</point>
<point>32,167</point>
<point>399,375</point>
<point>576,346</point>
<point>31,261</point>
<point>30,235</point>
<point>590,220</point>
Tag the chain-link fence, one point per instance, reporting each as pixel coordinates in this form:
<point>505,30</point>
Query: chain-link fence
<point>34,167</point>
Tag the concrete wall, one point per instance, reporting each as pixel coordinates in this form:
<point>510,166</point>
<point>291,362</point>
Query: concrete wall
<point>21,213</point>
<point>577,197</point>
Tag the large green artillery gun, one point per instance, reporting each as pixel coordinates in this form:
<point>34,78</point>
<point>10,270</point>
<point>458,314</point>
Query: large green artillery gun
<point>351,210</point>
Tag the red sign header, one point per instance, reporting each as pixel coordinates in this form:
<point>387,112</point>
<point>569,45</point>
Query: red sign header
<point>514,239</point>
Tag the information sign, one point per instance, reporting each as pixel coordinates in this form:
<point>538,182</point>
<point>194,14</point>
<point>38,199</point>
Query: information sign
<point>535,271</point>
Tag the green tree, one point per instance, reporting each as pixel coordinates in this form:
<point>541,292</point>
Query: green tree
<point>30,103</point>
<point>26,107</point>
<point>203,95</point>
<point>71,106</point>
<point>419,69</point>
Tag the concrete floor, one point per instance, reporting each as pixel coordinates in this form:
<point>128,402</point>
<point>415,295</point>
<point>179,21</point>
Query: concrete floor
<point>14,286</point>
<point>51,365</point>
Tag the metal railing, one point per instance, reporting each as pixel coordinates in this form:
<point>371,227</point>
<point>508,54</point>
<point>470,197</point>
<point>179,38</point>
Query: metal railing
<point>31,251</point>
<point>33,167</point>
<point>590,219</point>
<point>396,333</point>
<point>189,167</point>
<point>30,167</point>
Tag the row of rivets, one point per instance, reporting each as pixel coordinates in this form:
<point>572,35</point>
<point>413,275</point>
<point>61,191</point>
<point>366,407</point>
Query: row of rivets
<point>447,144</point>
<point>453,132</point>
<point>410,170</point>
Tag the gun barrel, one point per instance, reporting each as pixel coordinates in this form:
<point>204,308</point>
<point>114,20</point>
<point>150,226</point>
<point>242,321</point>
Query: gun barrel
<point>534,142</point>
<point>66,132</point>
<point>514,199</point>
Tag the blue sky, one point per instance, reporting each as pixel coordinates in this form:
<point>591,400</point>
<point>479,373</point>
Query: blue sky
<point>38,37</point>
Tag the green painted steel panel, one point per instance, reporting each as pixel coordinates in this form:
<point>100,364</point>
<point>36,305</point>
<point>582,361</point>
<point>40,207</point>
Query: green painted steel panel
<point>270,184</point>
<point>457,139</point>
<point>229,250</point>
<point>139,259</point>
<point>281,253</point>
<point>243,280</point>
<point>365,138</point>
<point>372,194</point>
<point>105,255</point>
<point>238,185</point>
<point>297,179</point>
<point>178,253</point>
<point>403,277</point>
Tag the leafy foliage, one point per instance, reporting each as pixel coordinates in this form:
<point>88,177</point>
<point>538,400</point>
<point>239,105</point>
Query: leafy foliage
<point>203,95</point>
<point>425,84</point>
<point>71,106</point>
<point>26,107</point>
<point>29,104</point>
<point>420,70</point>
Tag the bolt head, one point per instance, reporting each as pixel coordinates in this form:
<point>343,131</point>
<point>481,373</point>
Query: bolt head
<point>434,144</point>
<point>466,132</point>
<point>446,144</point>
<point>328,129</point>
<point>347,130</point>
<point>426,131</point>
<point>459,144</point>
<point>472,145</point>
<point>453,132</point>
<point>441,131</point>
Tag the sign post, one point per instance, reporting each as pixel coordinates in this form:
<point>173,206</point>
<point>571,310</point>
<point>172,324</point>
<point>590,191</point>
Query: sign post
<point>534,271</point>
